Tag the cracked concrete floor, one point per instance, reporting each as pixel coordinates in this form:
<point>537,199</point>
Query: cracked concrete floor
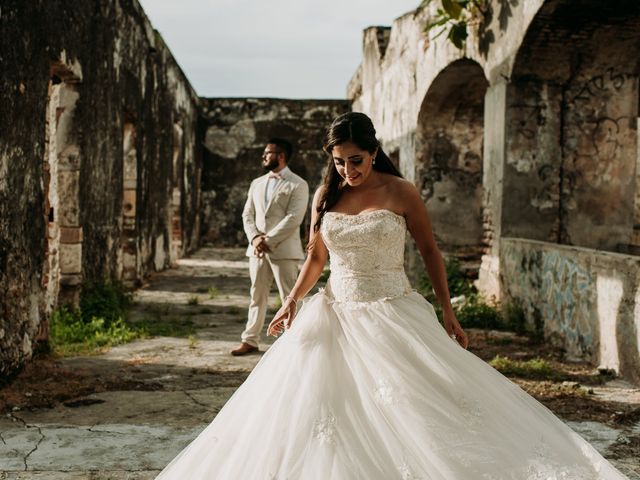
<point>175,386</point>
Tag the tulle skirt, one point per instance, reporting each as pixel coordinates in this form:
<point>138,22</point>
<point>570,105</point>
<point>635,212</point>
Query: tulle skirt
<point>378,390</point>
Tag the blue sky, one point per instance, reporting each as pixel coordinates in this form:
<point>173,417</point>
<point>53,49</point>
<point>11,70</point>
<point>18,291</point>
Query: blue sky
<point>273,48</point>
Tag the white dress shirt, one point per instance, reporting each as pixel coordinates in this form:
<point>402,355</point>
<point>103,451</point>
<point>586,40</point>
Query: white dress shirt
<point>271,185</point>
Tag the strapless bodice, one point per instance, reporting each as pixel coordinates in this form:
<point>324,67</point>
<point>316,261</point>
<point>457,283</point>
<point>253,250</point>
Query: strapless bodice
<point>366,253</point>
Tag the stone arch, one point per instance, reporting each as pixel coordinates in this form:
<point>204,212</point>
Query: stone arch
<point>62,267</point>
<point>571,128</point>
<point>449,139</point>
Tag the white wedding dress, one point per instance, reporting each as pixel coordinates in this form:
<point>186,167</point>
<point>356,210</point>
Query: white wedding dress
<point>368,385</point>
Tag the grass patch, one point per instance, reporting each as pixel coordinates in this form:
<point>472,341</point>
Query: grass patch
<point>180,327</point>
<point>213,292</point>
<point>534,369</point>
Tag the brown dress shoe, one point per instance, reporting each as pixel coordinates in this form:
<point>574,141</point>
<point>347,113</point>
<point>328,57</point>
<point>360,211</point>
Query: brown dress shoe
<point>244,349</point>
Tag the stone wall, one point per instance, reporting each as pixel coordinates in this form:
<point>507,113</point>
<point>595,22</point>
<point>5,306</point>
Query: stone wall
<point>584,300</point>
<point>99,159</point>
<point>558,141</point>
<point>235,134</point>
<point>448,162</point>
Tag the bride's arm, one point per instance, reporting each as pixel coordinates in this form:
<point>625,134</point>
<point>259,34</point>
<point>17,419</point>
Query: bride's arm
<point>419,225</point>
<point>312,268</point>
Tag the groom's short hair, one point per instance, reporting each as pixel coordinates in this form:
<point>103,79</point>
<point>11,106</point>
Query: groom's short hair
<point>283,145</point>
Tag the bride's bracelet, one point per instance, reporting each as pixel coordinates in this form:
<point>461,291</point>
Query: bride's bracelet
<point>295,302</point>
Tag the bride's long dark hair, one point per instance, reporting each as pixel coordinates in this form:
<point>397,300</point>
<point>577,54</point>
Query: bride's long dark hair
<point>357,128</point>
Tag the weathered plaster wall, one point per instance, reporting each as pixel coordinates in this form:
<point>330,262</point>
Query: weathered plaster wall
<point>74,74</point>
<point>449,157</point>
<point>559,136</point>
<point>586,301</point>
<point>236,131</point>
<point>572,116</point>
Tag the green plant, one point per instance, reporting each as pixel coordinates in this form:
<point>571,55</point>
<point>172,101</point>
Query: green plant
<point>475,312</point>
<point>213,292</point>
<point>107,300</point>
<point>535,368</point>
<point>72,334</point>
<point>193,341</point>
<point>193,300</point>
<point>514,317</point>
<point>162,327</point>
<point>458,283</point>
<point>454,17</point>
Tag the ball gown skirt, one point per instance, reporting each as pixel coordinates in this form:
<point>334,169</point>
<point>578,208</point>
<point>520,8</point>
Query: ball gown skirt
<point>367,384</point>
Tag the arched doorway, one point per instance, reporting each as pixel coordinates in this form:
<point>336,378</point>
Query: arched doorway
<point>62,269</point>
<point>449,142</point>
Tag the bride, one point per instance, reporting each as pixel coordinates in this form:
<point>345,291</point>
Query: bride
<point>365,383</point>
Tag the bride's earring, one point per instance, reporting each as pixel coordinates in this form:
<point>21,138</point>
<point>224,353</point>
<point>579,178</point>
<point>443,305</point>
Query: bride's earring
<point>374,161</point>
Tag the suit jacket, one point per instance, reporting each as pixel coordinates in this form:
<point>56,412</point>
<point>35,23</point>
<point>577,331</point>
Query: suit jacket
<point>280,219</point>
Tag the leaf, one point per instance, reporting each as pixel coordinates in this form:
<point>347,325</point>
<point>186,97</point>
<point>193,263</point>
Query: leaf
<point>453,8</point>
<point>458,34</point>
<point>435,22</point>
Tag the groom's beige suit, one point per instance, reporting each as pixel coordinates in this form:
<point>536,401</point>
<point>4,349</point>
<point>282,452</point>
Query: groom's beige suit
<point>275,208</point>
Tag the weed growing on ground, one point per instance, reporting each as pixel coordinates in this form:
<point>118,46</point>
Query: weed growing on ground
<point>193,300</point>
<point>534,369</point>
<point>213,292</point>
<point>98,323</point>
<point>180,327</point>
<point>472,309</point>
<point>193,342</point>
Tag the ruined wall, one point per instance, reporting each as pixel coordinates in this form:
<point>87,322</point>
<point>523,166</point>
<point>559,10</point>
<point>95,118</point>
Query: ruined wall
<point>449,157</point>
<point>87,86</point>
<point>236,131</point>
<point>572,116</point>
<point>586,301</point>
<point>559,149</point>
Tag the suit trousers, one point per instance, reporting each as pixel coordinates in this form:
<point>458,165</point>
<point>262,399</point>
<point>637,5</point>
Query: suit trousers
<point>262,272</point>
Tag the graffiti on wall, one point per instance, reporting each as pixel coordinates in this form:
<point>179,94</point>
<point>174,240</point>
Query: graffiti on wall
<point>599,150</point>
<point>556,289</point>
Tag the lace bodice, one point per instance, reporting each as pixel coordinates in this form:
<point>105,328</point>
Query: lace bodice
<point>366,254</point>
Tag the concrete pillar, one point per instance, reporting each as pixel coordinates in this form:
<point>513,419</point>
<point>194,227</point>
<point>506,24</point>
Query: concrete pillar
<point>494,156</point>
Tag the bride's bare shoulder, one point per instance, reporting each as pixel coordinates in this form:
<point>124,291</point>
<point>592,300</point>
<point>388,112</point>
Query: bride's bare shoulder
<point>405,195</point>
<point>400,186</point>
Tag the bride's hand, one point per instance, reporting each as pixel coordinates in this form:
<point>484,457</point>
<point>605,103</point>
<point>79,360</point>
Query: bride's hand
<point>455,331</point>
<point>284,318</point>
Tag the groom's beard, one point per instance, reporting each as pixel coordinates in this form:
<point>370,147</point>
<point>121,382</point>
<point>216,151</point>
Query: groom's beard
<point>273,164</point>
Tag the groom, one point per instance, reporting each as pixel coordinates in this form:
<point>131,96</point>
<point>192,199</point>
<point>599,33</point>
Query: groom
<point>275,207</point>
